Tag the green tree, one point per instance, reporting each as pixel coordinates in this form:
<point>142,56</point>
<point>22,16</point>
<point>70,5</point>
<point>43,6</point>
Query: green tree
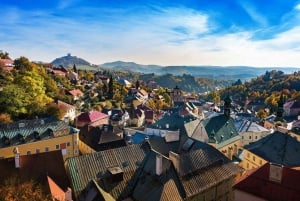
<point>4,55</point>
<point>74,68</point>
<point>14,101</point>
<point>111,88</point>
<point>22,64</point>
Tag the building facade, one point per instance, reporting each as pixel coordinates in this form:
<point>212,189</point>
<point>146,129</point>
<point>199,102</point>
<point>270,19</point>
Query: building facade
<point>38,136</point>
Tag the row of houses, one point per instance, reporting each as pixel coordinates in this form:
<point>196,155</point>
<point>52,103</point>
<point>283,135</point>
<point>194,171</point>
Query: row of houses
<point>182,153</point>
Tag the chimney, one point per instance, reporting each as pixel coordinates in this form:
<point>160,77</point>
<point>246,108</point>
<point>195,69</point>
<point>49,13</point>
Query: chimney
<point>17,157</point>
<point>175,158</point>
<point>275,173</point>
<point>68,195</point>
<point>158,169</point>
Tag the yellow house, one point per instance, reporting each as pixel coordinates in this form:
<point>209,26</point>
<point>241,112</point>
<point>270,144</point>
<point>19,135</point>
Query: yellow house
<point>278,148</point>
<point>36,136</point>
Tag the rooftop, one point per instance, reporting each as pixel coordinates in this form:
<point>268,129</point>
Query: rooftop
<point>258,183</point>
<point>278,148</point>
<point>26,131</point>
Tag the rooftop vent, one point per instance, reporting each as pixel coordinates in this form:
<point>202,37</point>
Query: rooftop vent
<point>115,174</point>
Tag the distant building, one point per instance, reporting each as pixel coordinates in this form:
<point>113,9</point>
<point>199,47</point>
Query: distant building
<point>291,108</point>
<point>7,64</point>
<point>76,94</point>
<point>217,130</point>
<point>250,131</point>
<point>91,118</point>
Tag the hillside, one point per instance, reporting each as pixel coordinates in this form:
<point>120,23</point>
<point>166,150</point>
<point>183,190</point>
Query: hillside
<point>213,72</point>
<point>70,61</point>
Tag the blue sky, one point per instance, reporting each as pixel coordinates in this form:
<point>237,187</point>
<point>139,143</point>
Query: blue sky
<point>190,32</point>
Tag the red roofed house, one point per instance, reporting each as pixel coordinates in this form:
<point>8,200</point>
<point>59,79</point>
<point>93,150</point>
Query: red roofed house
<point>76,93</point>
<point>8,64</point>
<point>92,118</point>
<point>269,182</point>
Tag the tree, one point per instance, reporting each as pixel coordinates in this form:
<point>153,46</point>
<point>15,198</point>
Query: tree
<point>14,101</point>
<point>55,111</point>
<point>16,188</point>
<point>23,64</point>
<point>261,114</point>
<point>74,68</point>
<point>5,118</point>
<point>110,88</point>
<point>4,55</point>
<point>137,84</point>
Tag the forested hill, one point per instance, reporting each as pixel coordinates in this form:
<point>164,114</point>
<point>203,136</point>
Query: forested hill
<point>213,72</point>
<point>69,61</point>
<point>266,88</point>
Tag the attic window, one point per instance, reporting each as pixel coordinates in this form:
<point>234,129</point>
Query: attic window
<point>125,164</point>
<point>36,135</point>
<point>5,140</point>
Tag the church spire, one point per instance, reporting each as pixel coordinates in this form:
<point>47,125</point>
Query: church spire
<point>227,105</point>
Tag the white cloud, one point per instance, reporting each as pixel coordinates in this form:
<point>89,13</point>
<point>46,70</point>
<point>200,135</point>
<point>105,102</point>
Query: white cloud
<point>253,13</point>
<point>150,37</point>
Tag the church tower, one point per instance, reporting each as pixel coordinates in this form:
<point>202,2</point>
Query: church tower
<point>227,105</point>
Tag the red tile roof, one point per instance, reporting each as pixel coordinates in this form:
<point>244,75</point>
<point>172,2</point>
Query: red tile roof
<point>91,116</point>
<point>76,92</point>
<point>55,190</point>
<point>65,106</point>
<point>7,62</point>
<point>258,183</point>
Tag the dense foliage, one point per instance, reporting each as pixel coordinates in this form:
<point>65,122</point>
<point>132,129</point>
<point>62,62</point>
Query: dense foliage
<point>266,88</point>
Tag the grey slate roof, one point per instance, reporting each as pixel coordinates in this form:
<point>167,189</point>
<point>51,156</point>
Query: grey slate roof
<point>278,148</point>
<point>249,126</point>
<point>83,169</point>
<point>199,169</point>
<point>174,122</point>
<point>151,187</point>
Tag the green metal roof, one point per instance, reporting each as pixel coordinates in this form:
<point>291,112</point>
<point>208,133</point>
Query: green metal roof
<point>220,129</point>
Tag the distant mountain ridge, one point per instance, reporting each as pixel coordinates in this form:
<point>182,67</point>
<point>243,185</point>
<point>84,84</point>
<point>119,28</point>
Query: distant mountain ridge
<point>213,72</point>
<point>70,61</point>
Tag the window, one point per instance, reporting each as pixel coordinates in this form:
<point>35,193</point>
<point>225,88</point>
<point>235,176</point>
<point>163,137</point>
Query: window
<point>256,137</point>
<point>75,151</point>
<point>46,149</point>
<point>253,158</point>
<point>68,144</point>
<point>75,142</point>
<point>37,151</point>
<point>248,155</point>
<point>28,152</point>
<point>57,146</point>
<point>249,137</point>
<point>247,165</point>
<point>260,162</point>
